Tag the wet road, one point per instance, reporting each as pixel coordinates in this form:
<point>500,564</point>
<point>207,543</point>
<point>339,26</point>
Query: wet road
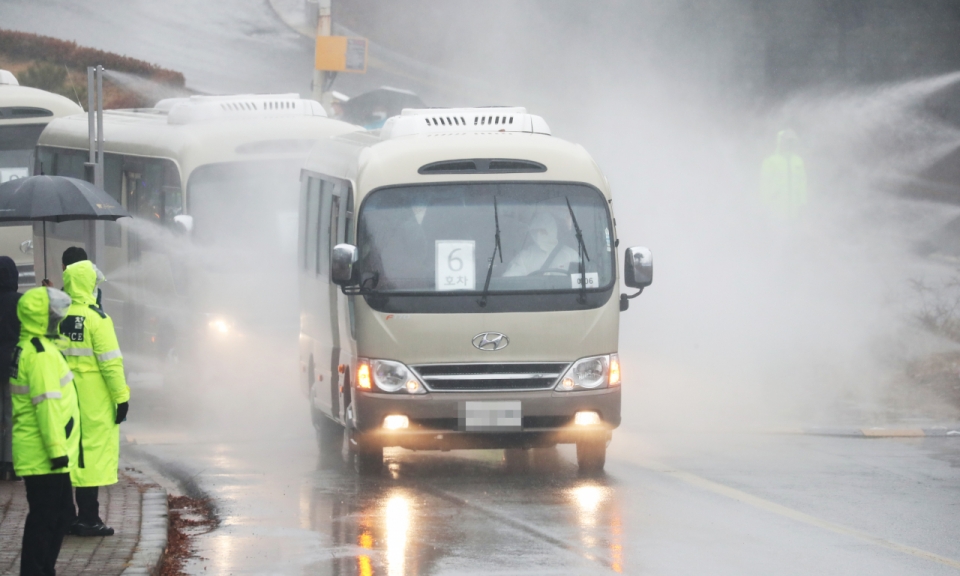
<point>670,503</point>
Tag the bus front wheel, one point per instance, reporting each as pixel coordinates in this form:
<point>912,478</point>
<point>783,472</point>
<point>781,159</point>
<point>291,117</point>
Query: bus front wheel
<point>591,455</point>
<point>368,461</point>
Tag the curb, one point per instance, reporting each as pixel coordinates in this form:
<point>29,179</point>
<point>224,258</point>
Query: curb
<point>153,529</point>
<point>876,432</point>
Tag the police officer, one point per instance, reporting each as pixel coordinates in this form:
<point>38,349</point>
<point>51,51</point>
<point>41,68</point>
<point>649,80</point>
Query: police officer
<point>9,336</point>
<point>46,427</point>
<point>90,346</point>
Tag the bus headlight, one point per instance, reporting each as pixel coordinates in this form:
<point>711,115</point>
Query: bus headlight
<point>591,373</point>
<point>390,376</point>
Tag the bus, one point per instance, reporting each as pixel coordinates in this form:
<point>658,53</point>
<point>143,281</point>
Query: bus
<point>212,184</point>
<point>24,112</point>
<point>459,289</point>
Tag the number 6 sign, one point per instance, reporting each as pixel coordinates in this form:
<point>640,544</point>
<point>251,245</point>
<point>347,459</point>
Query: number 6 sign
<point>456,265</point>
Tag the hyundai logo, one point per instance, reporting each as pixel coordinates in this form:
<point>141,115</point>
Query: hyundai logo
<point>490,341</point>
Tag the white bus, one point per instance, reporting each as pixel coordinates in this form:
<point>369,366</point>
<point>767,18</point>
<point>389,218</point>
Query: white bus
<point>24,112</point>
<point>212,184</point>
<point>478,300</point>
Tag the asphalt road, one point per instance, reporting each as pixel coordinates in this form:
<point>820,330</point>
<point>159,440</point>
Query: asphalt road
<point>670,503</point>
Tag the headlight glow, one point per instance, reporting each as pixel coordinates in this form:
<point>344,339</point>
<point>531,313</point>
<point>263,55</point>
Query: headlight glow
<point>390,376</point>
<point>396,422</point>
<point>363,375</point>
<point>614,370</point>
<point>591,373</point>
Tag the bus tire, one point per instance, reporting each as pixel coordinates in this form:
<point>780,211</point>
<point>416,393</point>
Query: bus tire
<point>591,455</point>
<point>368,461</point>
<point>516,459</point>
<point>329,438</point>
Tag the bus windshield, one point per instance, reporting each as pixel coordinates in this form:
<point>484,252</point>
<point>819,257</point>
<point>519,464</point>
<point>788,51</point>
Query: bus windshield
<point>16,150</point>
<point>246,206</point>
<point>441,238</point>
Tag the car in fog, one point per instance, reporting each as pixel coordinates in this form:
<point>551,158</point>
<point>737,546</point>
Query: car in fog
<point>459,288</point>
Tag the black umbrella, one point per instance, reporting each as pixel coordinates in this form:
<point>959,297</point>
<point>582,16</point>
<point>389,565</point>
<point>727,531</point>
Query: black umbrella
<point>55,199</point>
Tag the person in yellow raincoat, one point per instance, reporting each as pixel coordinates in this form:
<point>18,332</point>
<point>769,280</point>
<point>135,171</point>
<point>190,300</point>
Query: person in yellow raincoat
<point>783,176</point>
<point>90,346</point>
<point>46,427</point>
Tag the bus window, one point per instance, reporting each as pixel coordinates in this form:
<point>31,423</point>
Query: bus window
<point>313,223</point>
<point>16,150</point>
<point>66,163</point>
<point>153,190</point>
<point>113,185</point>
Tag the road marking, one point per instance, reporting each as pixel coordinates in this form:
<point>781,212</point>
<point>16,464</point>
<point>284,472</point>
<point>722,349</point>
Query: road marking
<point>786,512</point>
<point>520,525</point>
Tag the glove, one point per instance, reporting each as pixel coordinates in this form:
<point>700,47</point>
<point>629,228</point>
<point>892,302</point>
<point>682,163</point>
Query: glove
<point>60,462</point>
<point>122,409</point>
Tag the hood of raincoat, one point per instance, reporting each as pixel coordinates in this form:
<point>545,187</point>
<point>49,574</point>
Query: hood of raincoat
<point>80,281</point>
<point>9,276</point>
<point>40,311</point>
<point>787,141</point>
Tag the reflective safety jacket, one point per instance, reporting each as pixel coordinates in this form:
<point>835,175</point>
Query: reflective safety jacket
<point>90,346</point>
<point>783,180</point>
<point>46,418</point>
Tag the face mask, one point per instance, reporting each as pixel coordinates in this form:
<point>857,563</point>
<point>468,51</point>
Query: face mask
<point>59,303</point>
<point>543,232</point>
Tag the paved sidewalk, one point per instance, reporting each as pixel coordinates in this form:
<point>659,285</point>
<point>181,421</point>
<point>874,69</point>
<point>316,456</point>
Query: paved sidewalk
<point>134,507</point>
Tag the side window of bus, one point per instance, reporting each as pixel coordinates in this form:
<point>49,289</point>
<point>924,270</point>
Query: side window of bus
<point>312,209</point>
<point>329,207</point>
<point>113,185</point>
<point>66,163</point>
<point>153,190</point>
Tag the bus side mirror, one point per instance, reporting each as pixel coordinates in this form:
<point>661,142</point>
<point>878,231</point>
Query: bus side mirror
<point>638,267</point>
<point>637,272</point>
<point>342,259</point>
<point>184,222</point>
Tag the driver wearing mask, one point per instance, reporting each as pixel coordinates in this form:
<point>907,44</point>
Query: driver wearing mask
<point>542,252</point>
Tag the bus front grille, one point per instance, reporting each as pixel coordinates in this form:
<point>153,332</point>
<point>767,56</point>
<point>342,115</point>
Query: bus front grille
<point>490,377</point>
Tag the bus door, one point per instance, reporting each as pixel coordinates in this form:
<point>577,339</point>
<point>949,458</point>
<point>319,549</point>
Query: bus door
<point>152,194</point>
<point>324,222</point>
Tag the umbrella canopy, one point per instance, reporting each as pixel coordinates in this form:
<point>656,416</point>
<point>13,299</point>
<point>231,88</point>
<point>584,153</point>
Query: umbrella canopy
<point>56,199</point>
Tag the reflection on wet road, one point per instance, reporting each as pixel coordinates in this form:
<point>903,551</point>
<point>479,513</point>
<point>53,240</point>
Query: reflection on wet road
<point>733,504</point>
<point>457,512</point>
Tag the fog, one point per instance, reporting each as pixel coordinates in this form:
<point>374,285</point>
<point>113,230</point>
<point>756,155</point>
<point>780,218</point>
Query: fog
<point>754,320</point>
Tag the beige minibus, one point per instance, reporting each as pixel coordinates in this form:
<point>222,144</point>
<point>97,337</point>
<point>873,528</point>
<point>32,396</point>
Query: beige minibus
<point>212,183</point>
<point>24,113</point>
<point>459,288</point>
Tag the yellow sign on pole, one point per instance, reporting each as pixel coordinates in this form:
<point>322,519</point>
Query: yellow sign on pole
<point>341,54</point>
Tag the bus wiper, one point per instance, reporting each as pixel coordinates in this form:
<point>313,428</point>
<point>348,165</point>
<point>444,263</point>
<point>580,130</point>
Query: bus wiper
<point>582,249</point>
<point>496,248</point>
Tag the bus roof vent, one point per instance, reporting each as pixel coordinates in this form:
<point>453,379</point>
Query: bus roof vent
<point>8,79</point>
<point>463,121</point>
<point>482,166</point>
<point>203,108</point>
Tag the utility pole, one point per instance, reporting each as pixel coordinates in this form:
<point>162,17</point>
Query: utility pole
<point>324,27</point>
<point>93,169</point>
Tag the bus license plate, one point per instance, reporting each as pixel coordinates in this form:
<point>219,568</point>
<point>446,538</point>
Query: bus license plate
<point>502,416</point>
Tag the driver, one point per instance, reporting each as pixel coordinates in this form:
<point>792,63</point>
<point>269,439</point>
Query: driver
<point>542,251</point>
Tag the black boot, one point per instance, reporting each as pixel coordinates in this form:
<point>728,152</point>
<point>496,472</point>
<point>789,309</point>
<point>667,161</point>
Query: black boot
<point>85,530</point>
